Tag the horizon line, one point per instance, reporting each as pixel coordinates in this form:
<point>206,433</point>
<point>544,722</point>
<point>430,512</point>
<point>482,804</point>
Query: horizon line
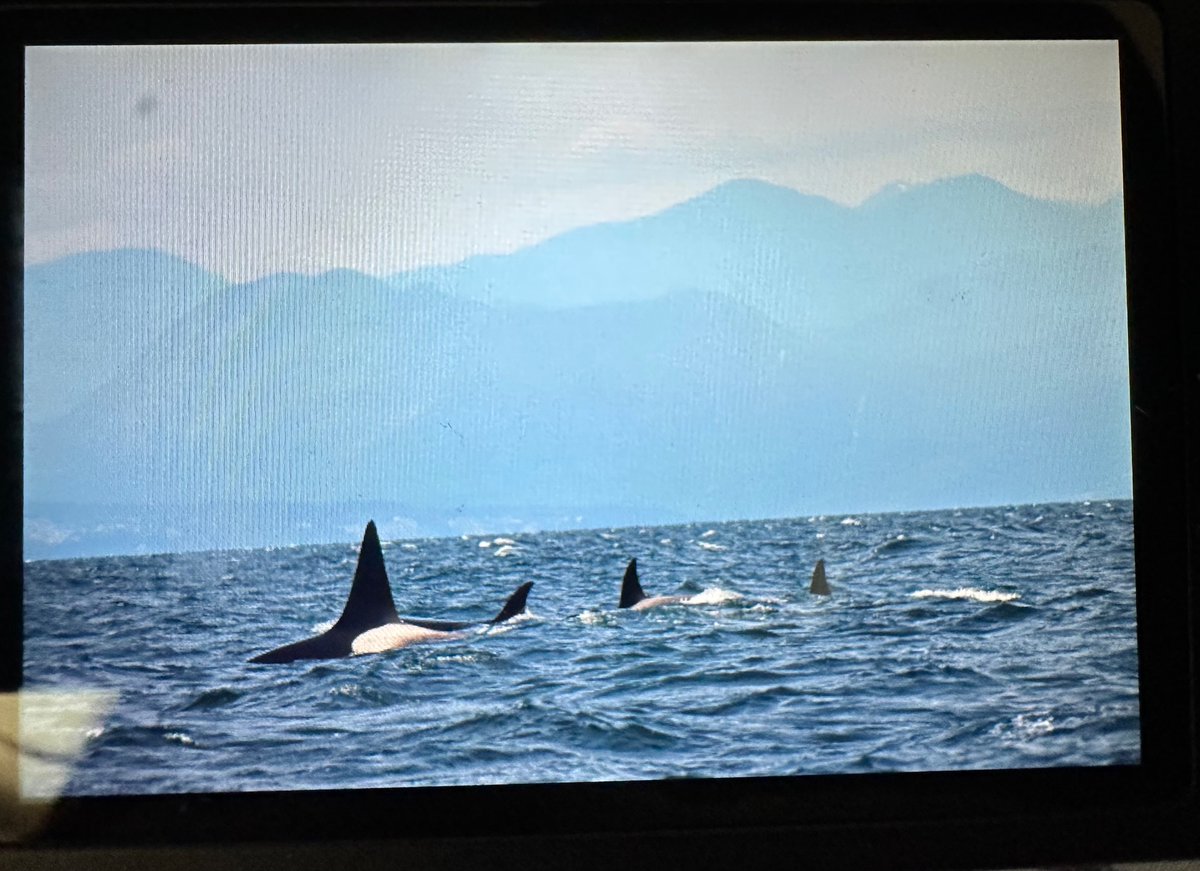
<point>808,517</point>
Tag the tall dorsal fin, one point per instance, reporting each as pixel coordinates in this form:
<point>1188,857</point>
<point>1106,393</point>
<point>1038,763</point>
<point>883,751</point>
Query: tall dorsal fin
<point>515,604</point>
<point>370,603</point>
<point>819,586</point>
<point>631,589</point>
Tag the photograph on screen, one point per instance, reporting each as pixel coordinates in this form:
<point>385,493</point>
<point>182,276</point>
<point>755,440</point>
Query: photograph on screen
<point>457,414</point>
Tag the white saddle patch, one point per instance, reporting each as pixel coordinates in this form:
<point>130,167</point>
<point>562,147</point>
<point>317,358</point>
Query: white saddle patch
<point>655,601</point>
<point>391,636</point>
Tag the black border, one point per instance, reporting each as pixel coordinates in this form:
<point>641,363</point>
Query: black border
<point>976,819</point>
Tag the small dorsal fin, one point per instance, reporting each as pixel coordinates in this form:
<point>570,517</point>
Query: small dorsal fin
<point>631,589</point>
<point>515,604</point>
<point>370,602</point>
<point>819,586</point>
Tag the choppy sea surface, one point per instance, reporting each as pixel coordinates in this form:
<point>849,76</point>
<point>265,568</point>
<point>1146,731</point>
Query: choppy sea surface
<point>967,639</point>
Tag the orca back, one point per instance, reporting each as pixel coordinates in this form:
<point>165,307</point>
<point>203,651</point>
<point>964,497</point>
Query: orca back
<point>370,602</point>
<point>514,606</point>
<point>631,588</point>
<point>819,586</point>
<point>330,645</point>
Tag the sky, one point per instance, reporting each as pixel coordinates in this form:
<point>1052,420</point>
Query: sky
<point>251,160</point>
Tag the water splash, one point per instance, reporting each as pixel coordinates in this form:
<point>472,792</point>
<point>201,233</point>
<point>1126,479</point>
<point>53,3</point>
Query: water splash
<point>971,593</point>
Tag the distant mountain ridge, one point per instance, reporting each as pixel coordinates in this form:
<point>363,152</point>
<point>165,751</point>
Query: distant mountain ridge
<point>750,352</point>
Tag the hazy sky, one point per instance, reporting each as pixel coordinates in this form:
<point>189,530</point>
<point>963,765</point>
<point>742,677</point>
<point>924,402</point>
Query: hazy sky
<point>250,160</point>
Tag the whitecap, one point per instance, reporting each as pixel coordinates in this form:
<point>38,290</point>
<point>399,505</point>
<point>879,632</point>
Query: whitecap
<point>971,593</point>
<point>503,541</point>
<point>408,546</point>
<point>1034,724</point>
<point>709,546</point>
<point>466,658</point>
<point>485,543</point>
<point>1024,727</point>
<point>708,534</point>
<point>851,521</point>
<point>180,738</point>
<point>664,541</point>
<point>508,625</point>
<point>505,550</point>
<point>713,596</point>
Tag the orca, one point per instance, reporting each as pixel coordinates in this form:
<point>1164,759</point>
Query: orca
<point>819,586</point>
<point>633,597</point>
<point>369,622</point>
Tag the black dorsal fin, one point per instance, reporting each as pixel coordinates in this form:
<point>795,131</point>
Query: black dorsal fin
<point>631,589</point>
<point>819,586</point>
<point>515,604</point>
<point>370,603</point>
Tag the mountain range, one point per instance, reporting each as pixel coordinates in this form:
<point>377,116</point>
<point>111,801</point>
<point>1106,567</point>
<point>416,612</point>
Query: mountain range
<point>751,352</point>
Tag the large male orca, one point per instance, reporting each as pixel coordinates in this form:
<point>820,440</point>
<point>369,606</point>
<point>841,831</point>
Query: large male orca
<point>633,597</point>
<point>369,623</point>
<point>819,586</point>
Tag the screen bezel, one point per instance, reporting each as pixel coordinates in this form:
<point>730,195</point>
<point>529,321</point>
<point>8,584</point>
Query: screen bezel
<point>1113,810</point>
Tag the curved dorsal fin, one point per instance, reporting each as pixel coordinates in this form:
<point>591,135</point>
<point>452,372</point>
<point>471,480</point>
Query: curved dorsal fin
<point>515,604</point>
<point>370,603</point>
<point>819,586</point>
<point>631,589</point>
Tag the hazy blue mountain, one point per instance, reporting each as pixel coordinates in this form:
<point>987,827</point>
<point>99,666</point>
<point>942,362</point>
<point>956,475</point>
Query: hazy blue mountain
<point>751,352</point>
<point>746,239</point>
<point>808,262</point>
<point>89,316</point>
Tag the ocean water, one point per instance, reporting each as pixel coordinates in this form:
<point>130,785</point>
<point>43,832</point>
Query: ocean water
<point>967,639</point>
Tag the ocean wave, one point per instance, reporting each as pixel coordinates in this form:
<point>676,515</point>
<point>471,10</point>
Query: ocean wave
<point>454,658</point>
<point>1000,612</point>
<point>359,694</point>
<point>131,735</point>
<point>709,546</point>
<point>975,595</point>
<point>214,698</point>
<point>1025,727</point>
<point>900,543</point>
